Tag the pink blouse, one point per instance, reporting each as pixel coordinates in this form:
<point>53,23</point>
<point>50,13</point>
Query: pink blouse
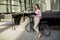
<point>39,14</point>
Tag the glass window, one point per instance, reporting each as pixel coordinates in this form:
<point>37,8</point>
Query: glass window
<point>15,2</point>
<point>28,5</point>
<point>15,6</point>
<point>15,9</point>
<point>55,5</point>
<point>2,1</point>
<point>2,8</point>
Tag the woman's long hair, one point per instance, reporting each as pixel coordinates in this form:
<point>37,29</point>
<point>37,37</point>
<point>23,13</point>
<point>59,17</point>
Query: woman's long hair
<point>37,6</point>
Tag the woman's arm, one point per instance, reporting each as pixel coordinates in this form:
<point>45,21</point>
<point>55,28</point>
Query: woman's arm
<point>38,13</point>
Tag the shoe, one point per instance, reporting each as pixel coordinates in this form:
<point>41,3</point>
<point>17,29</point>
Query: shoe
<point>38,35</point>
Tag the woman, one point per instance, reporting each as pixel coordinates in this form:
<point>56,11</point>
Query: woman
<point>37,20</point>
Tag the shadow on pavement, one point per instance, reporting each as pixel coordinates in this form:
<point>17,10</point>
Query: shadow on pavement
<point>55,35</point>
<point>5,28</point>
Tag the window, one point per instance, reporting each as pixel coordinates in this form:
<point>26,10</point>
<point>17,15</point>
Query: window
<point>55,5</point>
<point>2,6</point>
<point>15,9</point>
<point>9,6</point>
<point>28,5</point>
<point>15,6</point>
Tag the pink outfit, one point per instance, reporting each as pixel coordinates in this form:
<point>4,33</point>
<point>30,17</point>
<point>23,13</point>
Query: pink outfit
<point>37,20</point>
<point>38,12</point>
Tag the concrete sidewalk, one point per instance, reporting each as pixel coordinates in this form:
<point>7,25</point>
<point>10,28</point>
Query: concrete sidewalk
<point>6,33</point>
<point>55,35</point>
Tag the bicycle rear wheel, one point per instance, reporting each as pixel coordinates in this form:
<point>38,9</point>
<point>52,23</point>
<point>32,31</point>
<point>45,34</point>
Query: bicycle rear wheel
<point>46,30</point>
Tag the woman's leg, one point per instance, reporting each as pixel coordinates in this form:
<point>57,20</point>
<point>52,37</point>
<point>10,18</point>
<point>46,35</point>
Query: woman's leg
<point>36,22</point>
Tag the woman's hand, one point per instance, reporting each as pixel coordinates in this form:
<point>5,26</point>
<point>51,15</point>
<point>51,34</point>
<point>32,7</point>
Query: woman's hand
<point>33,15</point>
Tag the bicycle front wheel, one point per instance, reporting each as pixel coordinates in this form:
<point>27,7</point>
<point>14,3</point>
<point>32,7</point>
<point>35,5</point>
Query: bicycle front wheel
<point>29,27</point>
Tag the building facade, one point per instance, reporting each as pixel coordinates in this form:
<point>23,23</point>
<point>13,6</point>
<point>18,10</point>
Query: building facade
<point>28,5</point>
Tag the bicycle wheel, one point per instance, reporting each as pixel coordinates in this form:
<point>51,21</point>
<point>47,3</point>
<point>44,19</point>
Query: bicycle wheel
<point>46,30</point>
<point>29,27</point>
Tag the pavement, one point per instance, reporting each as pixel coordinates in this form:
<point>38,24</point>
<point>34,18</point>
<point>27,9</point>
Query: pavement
<point>7,33</point>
